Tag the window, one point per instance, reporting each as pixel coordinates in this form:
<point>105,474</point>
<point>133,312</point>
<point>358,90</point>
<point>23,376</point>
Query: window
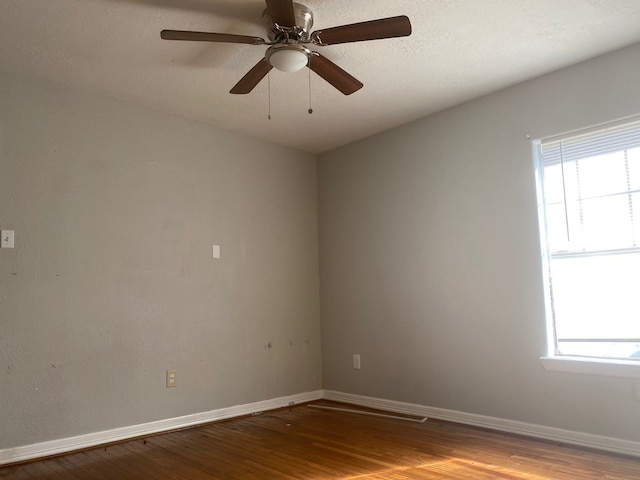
<point>589,198</point>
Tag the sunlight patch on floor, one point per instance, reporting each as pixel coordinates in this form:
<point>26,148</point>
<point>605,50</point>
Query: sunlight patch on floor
<point>472,470</point>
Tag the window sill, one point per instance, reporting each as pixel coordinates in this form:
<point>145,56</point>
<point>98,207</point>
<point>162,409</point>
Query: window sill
<point>592,366</point>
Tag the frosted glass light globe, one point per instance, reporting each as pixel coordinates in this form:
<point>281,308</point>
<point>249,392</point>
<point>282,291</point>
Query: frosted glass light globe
<point>288,59</point>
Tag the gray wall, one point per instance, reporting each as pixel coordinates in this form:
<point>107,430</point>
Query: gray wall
<point>430,261</point>
<point>115,209</point>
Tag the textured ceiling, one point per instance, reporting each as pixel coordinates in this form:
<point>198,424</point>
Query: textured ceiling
<point>459,49</point>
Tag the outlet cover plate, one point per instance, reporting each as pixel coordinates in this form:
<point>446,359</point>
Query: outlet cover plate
<point>171,378</point>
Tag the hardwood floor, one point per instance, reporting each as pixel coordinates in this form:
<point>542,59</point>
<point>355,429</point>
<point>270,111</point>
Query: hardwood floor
<point>315,444</point>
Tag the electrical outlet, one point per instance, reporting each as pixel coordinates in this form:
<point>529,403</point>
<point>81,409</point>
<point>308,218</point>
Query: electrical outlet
<point>356,361</point>
<point>171,378</point>
<point>636,390</point>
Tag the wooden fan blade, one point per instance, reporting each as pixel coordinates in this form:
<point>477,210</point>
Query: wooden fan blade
<point>281,12</point>
<point>252,78</point>
<point>333,74</point>
<point>210,37</point>
<point>358,32</point>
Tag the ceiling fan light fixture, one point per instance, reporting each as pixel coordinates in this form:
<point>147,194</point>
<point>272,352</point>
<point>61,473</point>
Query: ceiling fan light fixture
<point>288,57</point>
<point>288,26</point>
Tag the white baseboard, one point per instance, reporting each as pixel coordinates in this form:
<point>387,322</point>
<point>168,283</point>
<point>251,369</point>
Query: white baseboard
<point>609,444</point>
<point>64,445</point>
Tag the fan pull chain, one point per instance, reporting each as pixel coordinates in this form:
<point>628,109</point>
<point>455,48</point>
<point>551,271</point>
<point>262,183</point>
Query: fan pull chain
<point>269,94</point>
<point>310,109</point>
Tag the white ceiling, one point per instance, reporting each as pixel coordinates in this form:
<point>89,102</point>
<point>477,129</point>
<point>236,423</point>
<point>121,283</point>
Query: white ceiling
<point>459,49</point>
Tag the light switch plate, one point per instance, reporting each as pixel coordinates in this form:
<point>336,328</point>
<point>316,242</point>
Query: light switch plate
<point>215,251</point>
<point>8,238</point>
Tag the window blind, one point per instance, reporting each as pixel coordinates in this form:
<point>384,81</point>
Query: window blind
<point>592,189</point>
<point>592,142</point>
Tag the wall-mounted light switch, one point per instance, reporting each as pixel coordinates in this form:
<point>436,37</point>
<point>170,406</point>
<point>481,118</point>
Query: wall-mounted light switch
<point>8,238</point>
<point>215,251</point>
<point>356,361</point>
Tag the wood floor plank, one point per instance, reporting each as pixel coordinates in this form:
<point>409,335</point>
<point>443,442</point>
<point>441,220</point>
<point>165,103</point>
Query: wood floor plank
<point>19,473</point>
<point>303,443</point>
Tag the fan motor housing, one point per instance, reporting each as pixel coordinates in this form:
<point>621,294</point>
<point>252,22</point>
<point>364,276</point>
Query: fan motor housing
<point>301,32</point>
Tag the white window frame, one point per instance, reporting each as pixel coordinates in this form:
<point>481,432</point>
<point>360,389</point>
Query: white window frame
<point>565,363</point>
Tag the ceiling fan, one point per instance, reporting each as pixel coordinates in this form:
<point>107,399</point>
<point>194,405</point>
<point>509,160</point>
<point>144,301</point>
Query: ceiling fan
<point>288,29</point>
